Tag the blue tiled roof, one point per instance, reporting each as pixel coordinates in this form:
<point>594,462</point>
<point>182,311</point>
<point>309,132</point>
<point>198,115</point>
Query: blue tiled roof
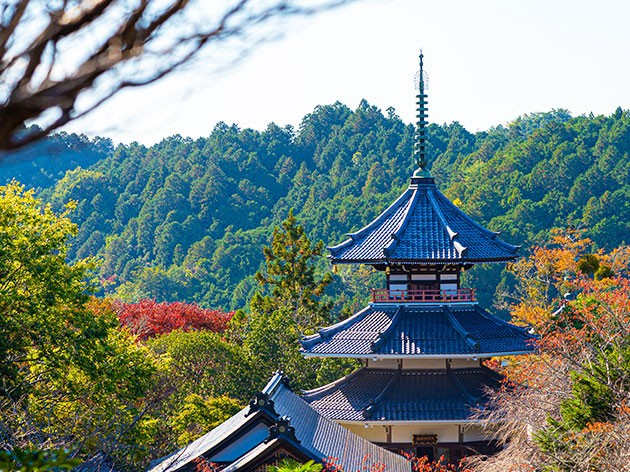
<point>405,395</point>
<point>422,226</point>
<point>317,435</point>
<point>419,330</point>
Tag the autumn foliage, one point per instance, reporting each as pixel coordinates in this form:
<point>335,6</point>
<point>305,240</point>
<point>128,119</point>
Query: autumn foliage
<point>148,318</point>
<point>567,407</point>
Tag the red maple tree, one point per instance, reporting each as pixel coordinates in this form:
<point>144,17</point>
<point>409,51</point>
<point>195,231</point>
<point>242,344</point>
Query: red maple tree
<point>148,318</point>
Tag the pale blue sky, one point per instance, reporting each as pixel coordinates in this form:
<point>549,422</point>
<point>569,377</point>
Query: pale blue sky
<point>488,62</point>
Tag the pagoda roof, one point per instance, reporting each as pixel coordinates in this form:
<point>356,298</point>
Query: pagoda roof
<point>422,227</point>
<point>421,331</point>
<point>251,435</point>
<point>393,395</point>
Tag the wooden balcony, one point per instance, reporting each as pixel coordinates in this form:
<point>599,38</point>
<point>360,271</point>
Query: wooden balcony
<point>382,295</point>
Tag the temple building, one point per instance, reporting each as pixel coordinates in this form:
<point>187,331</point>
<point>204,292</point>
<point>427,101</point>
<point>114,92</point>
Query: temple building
<point>423,338</point>
<point>421,341</point>
<point>278,424</point>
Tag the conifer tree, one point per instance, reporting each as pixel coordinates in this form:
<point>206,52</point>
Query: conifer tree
<point>291,275</point>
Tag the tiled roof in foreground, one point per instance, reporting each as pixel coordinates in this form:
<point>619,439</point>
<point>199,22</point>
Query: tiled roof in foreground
<point>314,436</point>
<point>404,395</point>
<point>418,330</point>
<point>422,227</point>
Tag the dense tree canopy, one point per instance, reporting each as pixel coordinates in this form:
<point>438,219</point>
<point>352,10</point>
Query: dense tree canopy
<point>193,221</point>
<point>185,220</point>
<point>69,377</point>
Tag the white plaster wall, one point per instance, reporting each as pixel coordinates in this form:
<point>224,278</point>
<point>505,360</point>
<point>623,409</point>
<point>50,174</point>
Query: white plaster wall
<point>424,364</point>
<point>375,433</point>
<point>383,363</point>
<point>404,433</point>
<point>477,433</point>
<point>464,363</point>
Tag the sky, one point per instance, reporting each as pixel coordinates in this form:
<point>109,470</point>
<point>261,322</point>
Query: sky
<point>488,62</point>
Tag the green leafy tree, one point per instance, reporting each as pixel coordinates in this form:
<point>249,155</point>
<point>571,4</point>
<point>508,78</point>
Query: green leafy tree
<point>203,380</point>
<point>21,460</point>
<point>69,377</point>
<point>291,465</point>
<point>198,415</point>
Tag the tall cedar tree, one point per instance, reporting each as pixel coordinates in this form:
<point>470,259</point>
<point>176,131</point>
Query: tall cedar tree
<point>293,308</point>
<point>290,272</point>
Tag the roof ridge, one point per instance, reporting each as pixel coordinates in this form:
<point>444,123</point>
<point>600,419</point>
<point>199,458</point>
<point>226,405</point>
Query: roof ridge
<point>499,322</point>
<point>473,400</point>
<point>493,234</point>
<point>387,250</point>
<point>468,338</point>
<point>277,379</point>
<point>392,324</point>
<point>451,233</point>
<point>334,329</point>
<point>337,382</point>
<point>357,234</point>
<point>369,410</point>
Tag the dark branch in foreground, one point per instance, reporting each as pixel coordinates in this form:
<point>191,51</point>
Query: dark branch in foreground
<point>61,59</point>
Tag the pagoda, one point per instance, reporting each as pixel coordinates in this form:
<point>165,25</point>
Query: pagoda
<point>423,338</point>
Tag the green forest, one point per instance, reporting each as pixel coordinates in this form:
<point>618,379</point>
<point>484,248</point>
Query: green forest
<point>118,263</point>
<point>186,220</point>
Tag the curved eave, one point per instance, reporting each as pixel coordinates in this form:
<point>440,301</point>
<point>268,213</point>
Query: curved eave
<point>324,333</point>
<point>385,396</point>
<point>481,355</point>
<point>413,422</point>
<point>423,209</point>
<point>388,261</point>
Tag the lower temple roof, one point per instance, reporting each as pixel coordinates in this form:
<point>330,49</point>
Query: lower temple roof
<point>391,330</point>
<point>391,395</point>
<point>250,435</point>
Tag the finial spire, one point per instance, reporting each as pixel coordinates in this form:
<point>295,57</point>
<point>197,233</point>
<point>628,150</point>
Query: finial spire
<point>420,137</point>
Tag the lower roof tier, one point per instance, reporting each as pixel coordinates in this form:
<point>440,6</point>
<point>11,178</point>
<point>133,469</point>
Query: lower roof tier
<point>448,330</point>
<point>395,395</point>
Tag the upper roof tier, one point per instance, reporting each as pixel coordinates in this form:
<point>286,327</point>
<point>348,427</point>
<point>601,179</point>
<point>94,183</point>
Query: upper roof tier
<point>422,227</point>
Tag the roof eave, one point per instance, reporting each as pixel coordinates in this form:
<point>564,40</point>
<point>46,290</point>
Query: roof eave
<point>476,355</point>
<point>390,261</point>
<point>413,422</point>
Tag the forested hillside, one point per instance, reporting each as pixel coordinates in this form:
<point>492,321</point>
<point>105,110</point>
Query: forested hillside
<point>187,219</point>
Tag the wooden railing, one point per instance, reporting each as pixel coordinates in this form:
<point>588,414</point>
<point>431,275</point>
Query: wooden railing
<point>423,296</point>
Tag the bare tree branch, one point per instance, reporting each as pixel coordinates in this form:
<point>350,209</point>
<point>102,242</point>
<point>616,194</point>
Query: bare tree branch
<point>119,44</point>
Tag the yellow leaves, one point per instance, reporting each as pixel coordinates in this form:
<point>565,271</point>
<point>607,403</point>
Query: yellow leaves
<point>530,315</point>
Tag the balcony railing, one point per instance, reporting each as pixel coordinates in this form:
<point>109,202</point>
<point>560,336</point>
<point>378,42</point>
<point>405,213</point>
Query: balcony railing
<point>423,296</point>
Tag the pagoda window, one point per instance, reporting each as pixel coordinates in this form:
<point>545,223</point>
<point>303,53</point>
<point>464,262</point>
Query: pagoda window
<point>424,282</point>
<point>424,285</point>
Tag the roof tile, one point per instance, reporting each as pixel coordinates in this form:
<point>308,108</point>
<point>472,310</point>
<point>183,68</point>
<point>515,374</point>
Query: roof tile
<point>422,226</point>
<point>420,331</point>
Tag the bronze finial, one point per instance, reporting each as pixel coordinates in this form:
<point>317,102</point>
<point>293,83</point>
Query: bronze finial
<point>420,136</point>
